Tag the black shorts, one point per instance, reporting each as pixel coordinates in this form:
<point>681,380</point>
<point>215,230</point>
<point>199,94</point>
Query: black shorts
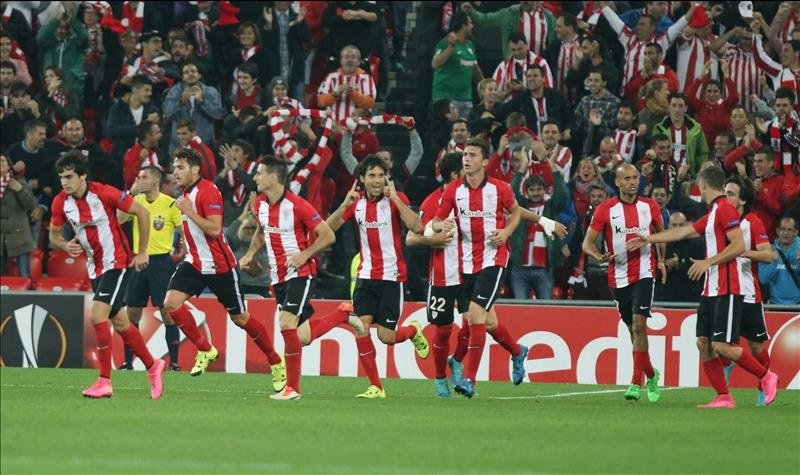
<point>635,299</point>
<point>754,325</point>
<point>110,288</point>
<point>293,296</point>
<point>225,286</point>
<point>483,288</point>
<point>720,318</point>
<point>383,299</point>
<point>150,283</point>
<point>442,302</point>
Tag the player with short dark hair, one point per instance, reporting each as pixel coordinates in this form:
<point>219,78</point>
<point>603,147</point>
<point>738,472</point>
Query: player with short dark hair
<point>380,211</point>
<point>720,312</point>
<point>286,222</point>
<point>91,208</point>
<point>631,276</point>
<point>209,263</point>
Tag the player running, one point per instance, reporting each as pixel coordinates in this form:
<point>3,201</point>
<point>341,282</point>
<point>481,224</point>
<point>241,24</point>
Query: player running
<point>91,209</point>
<point>741,194</point>
<point>286,222</point>
<point>719,314</point>
<point>630,273</point>
<point>380,211</point>
<point>209,263</point>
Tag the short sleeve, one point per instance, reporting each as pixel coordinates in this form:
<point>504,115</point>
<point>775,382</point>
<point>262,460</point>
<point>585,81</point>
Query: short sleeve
<point>427,210</point>
<point>758,232</point>
<point>506,195</point>
<point>57,211</point>
<point>174,215</point>
<point>350,211</point>
<point>448,201</point>
<point>209,202</point>
<point>728,217</point>
<point>599,219</point>
<point>700,225</point>
<point>655,212</point>
<point>116,198</point>
<point>309,216</point>
<point>404,198</point>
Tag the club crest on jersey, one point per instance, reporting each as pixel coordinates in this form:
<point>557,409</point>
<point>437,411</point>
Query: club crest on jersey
<point>158,223</point>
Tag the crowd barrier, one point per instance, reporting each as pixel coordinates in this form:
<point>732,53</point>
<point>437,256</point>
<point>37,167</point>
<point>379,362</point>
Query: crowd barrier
<point>585,344</point>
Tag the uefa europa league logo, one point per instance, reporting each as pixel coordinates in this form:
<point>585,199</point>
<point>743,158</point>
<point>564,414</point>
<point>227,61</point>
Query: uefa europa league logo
<point>30,321</point>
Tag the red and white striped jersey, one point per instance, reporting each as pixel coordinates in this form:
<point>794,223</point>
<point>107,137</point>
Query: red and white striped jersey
<point>533,25</point>
<point>754,234</point>
<point>745,73</point>
<point>380,241</point>
<point>721,279</point>
<point>626,143</point>
<point>540,108</point>
<point>781,77</point>
<point>287,225</point>
<point>451,146</point>
<point>619,222</point>
<point>792,23</point>
<point>534,244</point>
<point>634,47</point>
<point>344,106</point>
<point>208,255</point>
<point>479,212</point>
<point>443,270</point>
<point>94,219</point>
<point>693,53</point>
<point>566,59</point>
<point>564,162</point>
<point>678,138</point>
<point>513,68</point>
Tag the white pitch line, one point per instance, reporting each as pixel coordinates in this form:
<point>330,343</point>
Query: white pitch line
<point>580,393</point>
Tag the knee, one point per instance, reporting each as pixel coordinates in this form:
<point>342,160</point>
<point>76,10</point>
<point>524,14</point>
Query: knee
<point>170,306</point>
<point>721,348</point>
<point>704,346</point>
<point>386,337</point>
<point>639,327</point>
<point>755,347</point>
<point>240,320</point>
<point>120,325</point>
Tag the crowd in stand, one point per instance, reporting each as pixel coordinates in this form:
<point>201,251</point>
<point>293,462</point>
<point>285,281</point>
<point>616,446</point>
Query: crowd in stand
<point>580,88</point>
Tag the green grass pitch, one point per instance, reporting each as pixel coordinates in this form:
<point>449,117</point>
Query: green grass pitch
<point>226,424</point>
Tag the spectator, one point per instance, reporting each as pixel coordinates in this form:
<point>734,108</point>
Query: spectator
<point>143,154</point>
<point>693,47</point>
<point>510,74</point>
<point>686,135</point>
<point>487,92</point>
<point>657,10</point>
<point>592,54</point>
<point>19,67</point>
<point>538,104</point>
<point>192,99</point>
<point>768,185</point>
<point>153,63</point>
<point>248,91</point>
<point>723,146</point>
<point>559,156</point>
<point>72,137</point>
<point>59,102</point>
<point>278,94</point>
<point>443,113</point>
<point>600,101</point>
<point>348,23</point>
<point>653,67</point>
<point>532,265</point>
<point>63,41</point>
<point>743,68</point>
<point>712,111</point>
<point>656,105</point>
<point>459,133</point>
<point>123,122</point>
<point>28,155</point>
<point>529,18</point>
<point>739,122</point>
<point>783,274</point>
<point>235,180</point>
<point>16,204</point>
<point>660,194</point>
<point>97,39</point>
<point>285,32</point>
<point>678,258</point>
<point>181,50</point>
<point>23,109</point>
<point>186,133</point>
<point>785,73</point>
<point>590,276</point>
<point>120,51</point>
<point>347,88</point>
<point>562,55</point>
<point>455,64</point>
<point>586,177</point>
<point>783,133</point>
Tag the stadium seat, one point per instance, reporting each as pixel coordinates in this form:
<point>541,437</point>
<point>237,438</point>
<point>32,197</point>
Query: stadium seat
<point>61,264</point>
<point>60,284</point>
<point>8,282</point>
<point>37,259</point>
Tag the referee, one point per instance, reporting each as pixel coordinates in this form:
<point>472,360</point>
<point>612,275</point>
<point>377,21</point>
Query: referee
<point>152,281</point>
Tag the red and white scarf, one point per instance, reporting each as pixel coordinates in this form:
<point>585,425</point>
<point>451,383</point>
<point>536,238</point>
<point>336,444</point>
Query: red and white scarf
<point>784,141</point>
<point>383,119</point>
<point>281,141</point>
<point>4,180</point>
<point>133,19</point>
<point>248,53</point>
<point>239,192</point>
<point>313,165</point>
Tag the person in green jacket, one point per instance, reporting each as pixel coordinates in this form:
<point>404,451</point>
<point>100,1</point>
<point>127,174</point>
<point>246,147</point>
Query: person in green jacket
<point>541,24</point>
<point>63,41</point>
<point>694,141</point>
<point>529,268</point>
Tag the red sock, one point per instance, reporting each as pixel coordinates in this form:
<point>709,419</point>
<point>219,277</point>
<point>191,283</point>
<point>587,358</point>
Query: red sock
<point>322,325</point>
<point>638,367</point>
<point>366,354</point>
<point>185,321</point>
<point>294,357</point>
<point>501,336</point>
<point>763,357</point>
<point>724,361</point>
<point>102,333</point>
<point>441,348</point>
<point>463,342</point>
<point>715,375</point>
<point>259,334</point>
<point>477,339</point>
<point>648,366</point>
<point>134,340</point>
<point>404,333</point>
<point>751,365</point>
